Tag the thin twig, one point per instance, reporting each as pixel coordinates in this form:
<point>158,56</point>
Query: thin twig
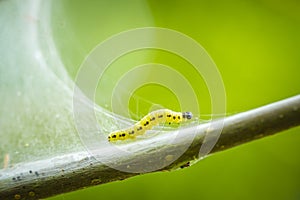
<point>70,172</point>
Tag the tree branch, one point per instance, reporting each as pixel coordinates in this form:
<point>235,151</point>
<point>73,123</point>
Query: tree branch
<point>70,172</point>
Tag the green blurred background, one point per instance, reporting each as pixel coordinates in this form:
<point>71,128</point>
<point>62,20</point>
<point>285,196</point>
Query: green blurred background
<point>255,45</point>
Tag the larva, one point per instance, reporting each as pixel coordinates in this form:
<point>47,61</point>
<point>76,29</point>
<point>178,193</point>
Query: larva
<point>147,122</point>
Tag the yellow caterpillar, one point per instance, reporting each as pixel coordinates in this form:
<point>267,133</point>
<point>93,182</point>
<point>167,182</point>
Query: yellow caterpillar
<point>147,122</point>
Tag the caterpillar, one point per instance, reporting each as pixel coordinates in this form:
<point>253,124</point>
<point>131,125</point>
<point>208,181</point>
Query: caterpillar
<point>147,122</point>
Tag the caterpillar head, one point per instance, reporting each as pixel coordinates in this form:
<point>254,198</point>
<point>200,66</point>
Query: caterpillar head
<point>187,115</point>
<point>118,135</point>
<point>113,136</point>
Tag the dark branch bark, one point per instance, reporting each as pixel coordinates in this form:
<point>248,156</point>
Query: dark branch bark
<point>70,172</point>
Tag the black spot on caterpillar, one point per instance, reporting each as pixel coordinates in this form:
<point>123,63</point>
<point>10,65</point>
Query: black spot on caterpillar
<point>147,122</point>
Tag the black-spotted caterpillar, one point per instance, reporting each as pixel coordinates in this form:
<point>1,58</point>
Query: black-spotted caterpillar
<point>147,122</point>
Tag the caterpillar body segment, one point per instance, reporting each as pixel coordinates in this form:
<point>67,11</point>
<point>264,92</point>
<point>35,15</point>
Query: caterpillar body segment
<point>147,122</point>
